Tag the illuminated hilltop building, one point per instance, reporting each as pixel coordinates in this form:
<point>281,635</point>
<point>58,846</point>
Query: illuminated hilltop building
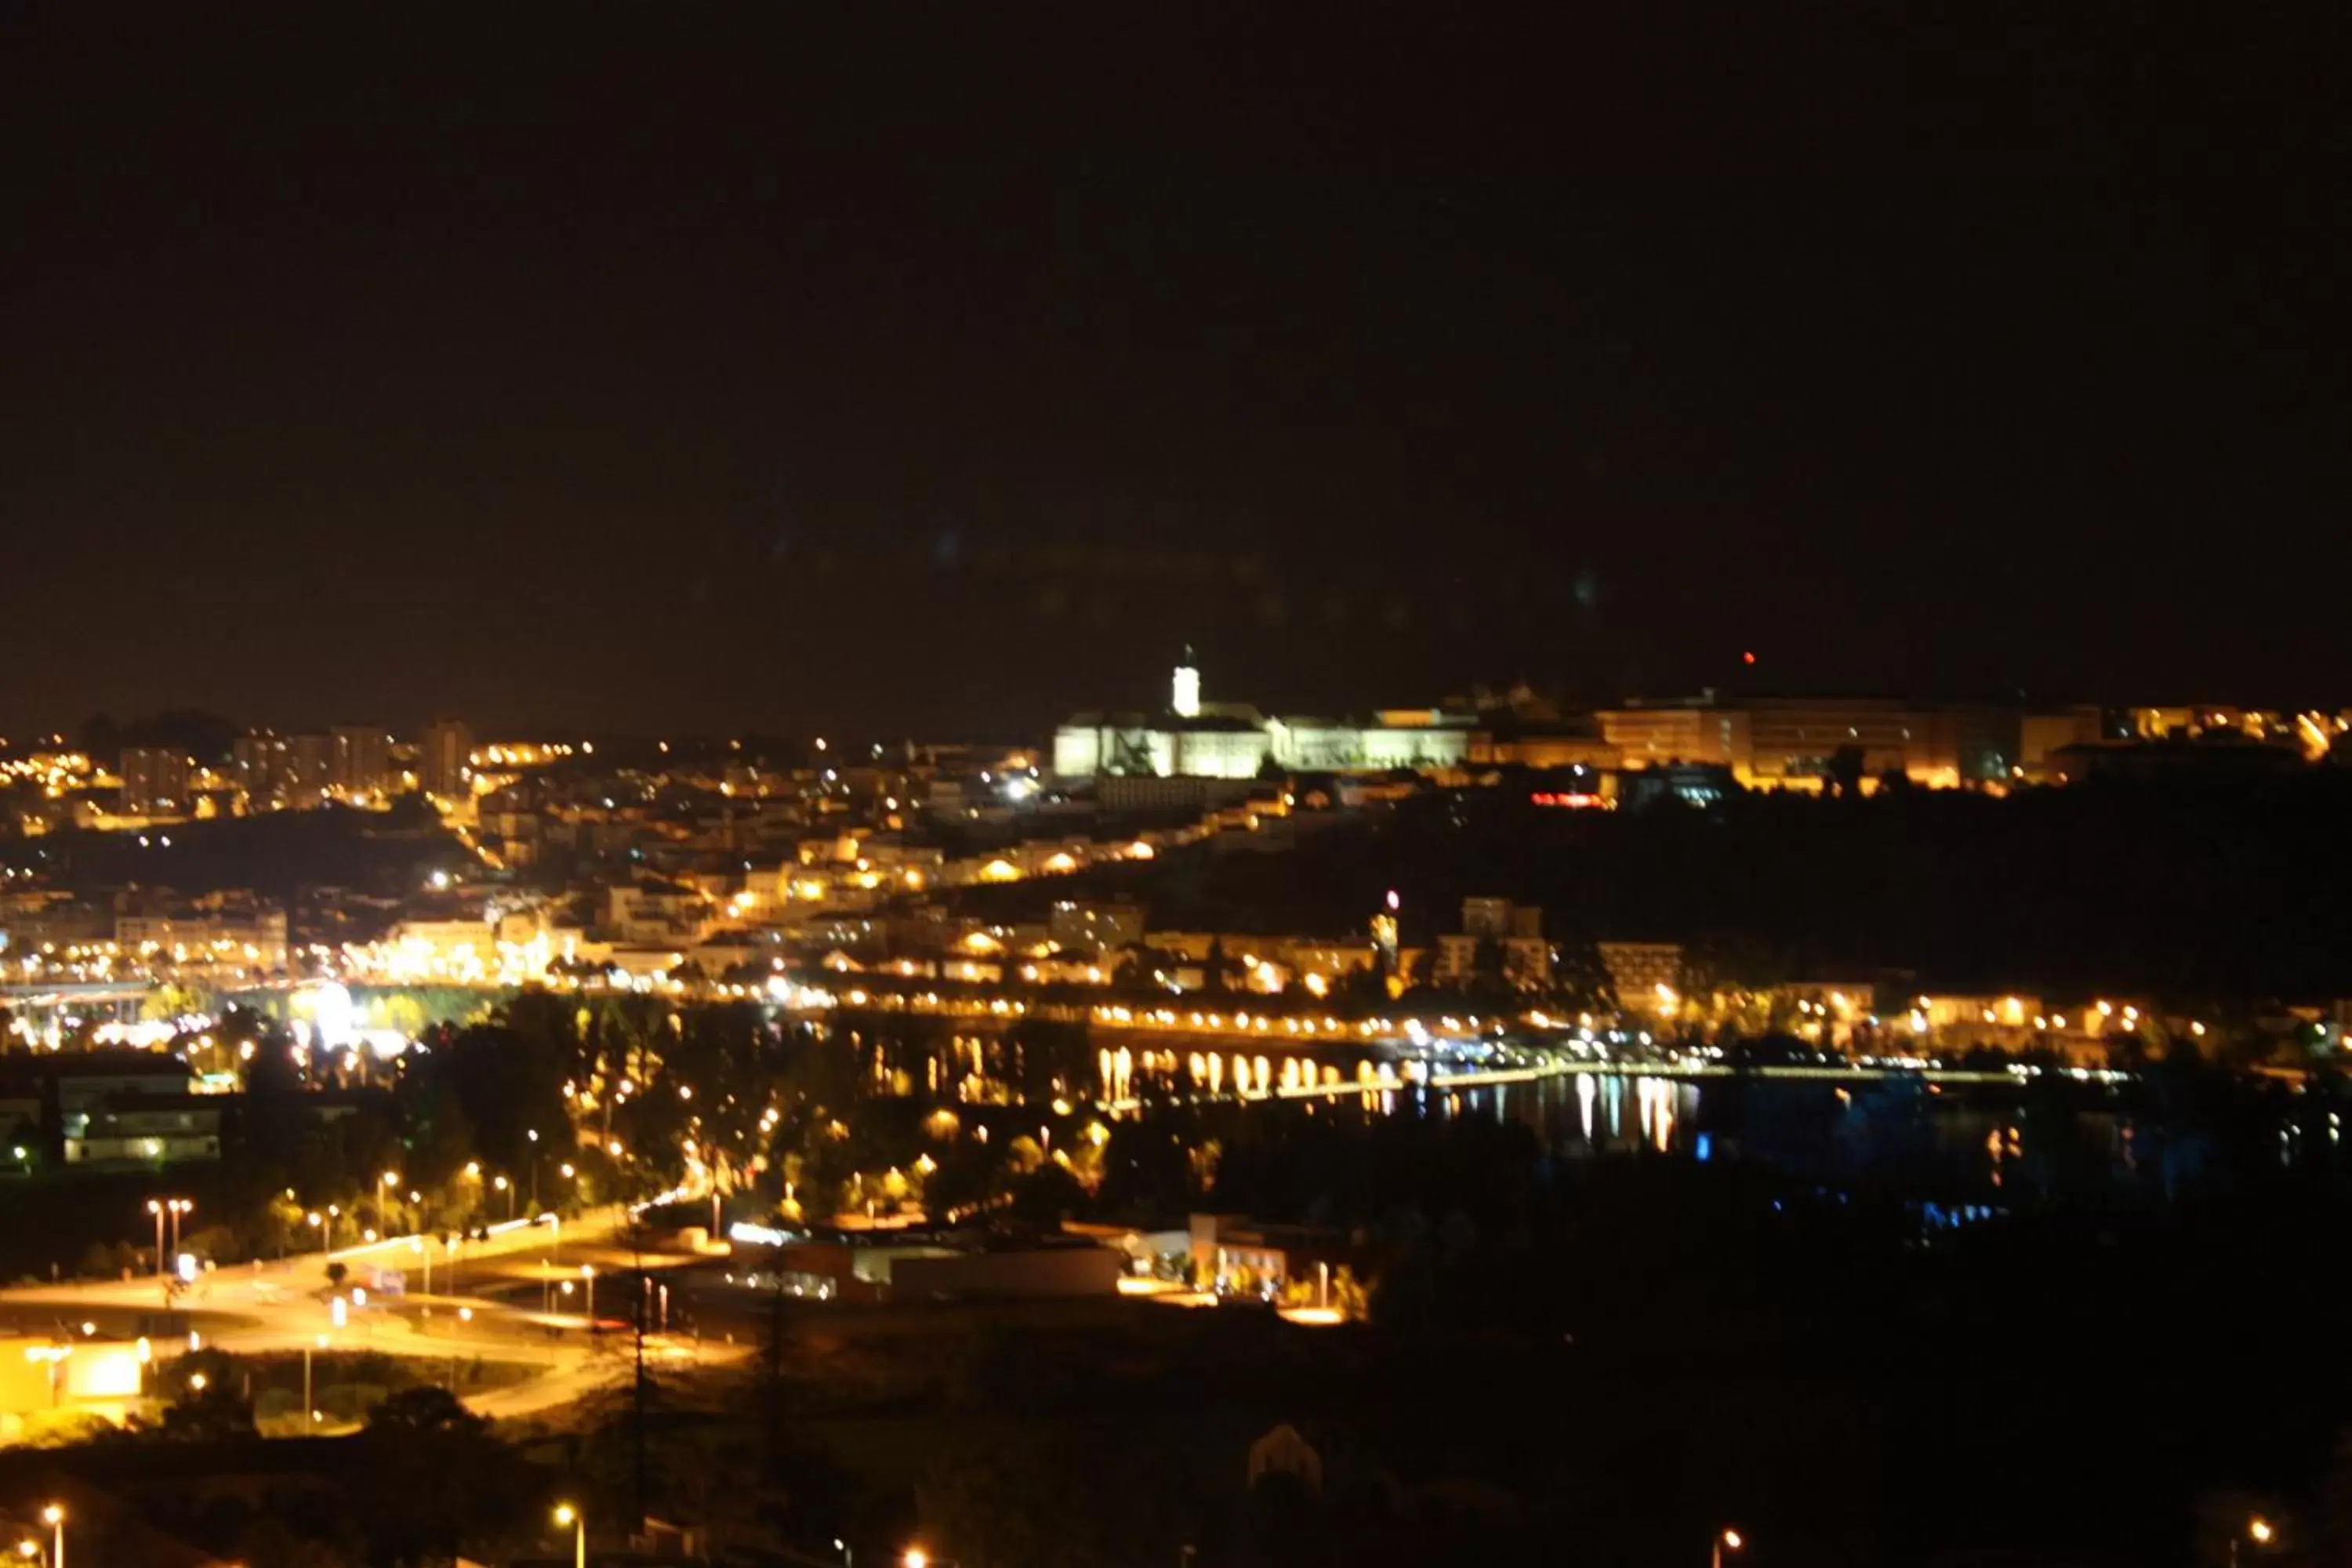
<point>1202,740</point>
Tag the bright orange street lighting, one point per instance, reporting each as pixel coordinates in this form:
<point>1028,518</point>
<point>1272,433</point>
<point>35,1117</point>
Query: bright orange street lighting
<point>566,1514</point>
<point>54,1516</point>
<point>162,1209</point>
<point>1728,1540</point>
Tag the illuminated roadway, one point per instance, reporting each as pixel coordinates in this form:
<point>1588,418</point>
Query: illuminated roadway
<point>282,1307</point>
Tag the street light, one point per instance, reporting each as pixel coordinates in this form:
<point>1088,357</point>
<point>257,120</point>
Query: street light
<point>175,1208</point>
<point>309,1415</point>
<point>566,1514</point>
<point>2259,1530</point>
<point>1728,1540</point>
<point>54,1516</point>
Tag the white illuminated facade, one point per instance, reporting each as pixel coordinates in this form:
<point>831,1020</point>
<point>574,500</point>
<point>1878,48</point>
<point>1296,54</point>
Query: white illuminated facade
<point>1184,693</point>
<point>1234,741</point>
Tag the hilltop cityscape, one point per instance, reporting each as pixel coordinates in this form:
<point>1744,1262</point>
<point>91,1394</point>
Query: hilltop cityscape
<point>452,1080</point>
<point>181,852</point>
<point>1025,786</point>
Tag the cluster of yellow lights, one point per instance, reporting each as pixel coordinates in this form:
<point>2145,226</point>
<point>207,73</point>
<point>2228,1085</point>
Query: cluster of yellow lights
<point>55,771</point>
<point>528,753</point>
<point>417,960</point>
<point>1249,1023</point>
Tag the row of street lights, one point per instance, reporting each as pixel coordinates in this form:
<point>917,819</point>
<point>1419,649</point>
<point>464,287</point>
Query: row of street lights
<point>170,1208</point>
<point>54,1516</point>
<point>324,1220</point>
<point>2259,1530</point>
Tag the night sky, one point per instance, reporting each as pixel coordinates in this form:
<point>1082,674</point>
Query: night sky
<point>888,368</point>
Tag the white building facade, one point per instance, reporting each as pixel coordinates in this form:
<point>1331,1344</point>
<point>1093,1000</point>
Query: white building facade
<point>1233,740</point>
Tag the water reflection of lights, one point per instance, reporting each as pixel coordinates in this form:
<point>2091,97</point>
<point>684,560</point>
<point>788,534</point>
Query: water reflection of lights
<point>1656,1097</point>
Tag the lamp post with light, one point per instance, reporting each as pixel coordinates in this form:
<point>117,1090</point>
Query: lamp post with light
<point>170,1208</point>
<point>566,1514</point>
<point>1728,1540</point>
<point>54,1516</point>
<point>310,1416</point>
<point>2259,1530</point>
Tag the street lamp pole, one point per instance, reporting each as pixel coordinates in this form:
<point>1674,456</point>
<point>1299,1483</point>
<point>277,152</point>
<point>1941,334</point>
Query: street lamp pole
<point>1726,1541</point>
<point>157,1209</point>
<point>566,1514</point>
<point>54,1516</point>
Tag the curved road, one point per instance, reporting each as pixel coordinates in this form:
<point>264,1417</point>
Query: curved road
<point>284,1306</point>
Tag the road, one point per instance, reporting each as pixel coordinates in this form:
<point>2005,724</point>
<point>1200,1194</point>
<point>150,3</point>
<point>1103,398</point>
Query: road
<point>282,1307</point>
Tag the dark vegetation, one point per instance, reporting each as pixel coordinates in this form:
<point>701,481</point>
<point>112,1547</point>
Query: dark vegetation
<point>2224,889</point>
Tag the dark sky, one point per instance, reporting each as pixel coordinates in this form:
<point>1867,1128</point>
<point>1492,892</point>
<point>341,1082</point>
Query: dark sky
<point>875,367</point>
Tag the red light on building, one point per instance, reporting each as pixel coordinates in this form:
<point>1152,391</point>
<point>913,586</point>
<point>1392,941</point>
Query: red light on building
<point>1575,802</point>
